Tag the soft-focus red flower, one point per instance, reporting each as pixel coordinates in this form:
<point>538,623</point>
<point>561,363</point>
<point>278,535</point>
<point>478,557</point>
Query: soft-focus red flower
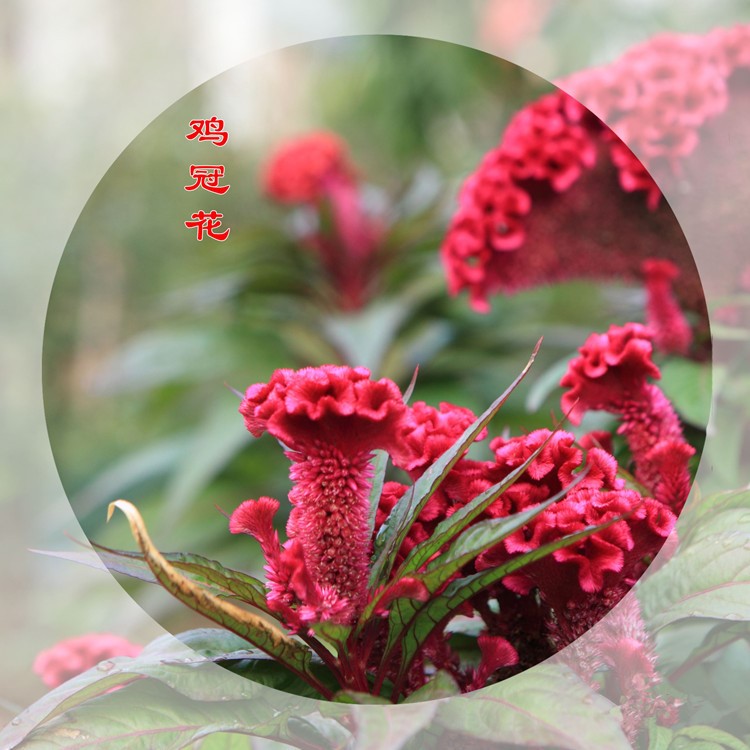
<point>621,644</point>
<point>70,657</point>
<point>315,170</point>
<point>562,196</point>
<point>302,170</point>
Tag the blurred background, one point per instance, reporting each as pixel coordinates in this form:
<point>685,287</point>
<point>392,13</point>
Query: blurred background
<point>145,325</point>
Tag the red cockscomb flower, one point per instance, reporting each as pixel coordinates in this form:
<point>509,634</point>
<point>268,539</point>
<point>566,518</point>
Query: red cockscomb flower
<point>302,170</point>
<point>611,374</point>
<point>331,419</point>
<point>315,170</point>
<point>562,196</point>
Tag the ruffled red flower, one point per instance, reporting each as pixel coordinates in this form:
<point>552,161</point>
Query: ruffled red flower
<point>572,220</point>
<point>429,432</point>
<point>301,170</point>
<point>70,657</point>
<point>612,367</point>
<point>330,404</point>
<point>611,374</point>
<point>331,419</point>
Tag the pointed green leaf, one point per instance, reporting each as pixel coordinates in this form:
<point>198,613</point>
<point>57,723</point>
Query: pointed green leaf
<point>421,624</point>
<point>379,467</point>
<point>464,550</point>
<point>410,388</point>
<point>291,653</point>
<point>397,525</point>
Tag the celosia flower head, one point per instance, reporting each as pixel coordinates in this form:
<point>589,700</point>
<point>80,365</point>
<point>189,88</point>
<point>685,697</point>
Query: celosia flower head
<point>73,656</point>
<point>332,404</point>
<point>331,418</point>
<point>563,197</point>
<point>315,170</point>
<point>612,374</point>
<point>301,170</point>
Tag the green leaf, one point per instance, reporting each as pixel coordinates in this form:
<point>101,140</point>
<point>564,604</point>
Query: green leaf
<point>292,654</point>
<point>659,737</point>
<point>397,525</point>
<point>217,579</point>
<point>546,706</point>
<point>415,626</point>
<point>333,633</point>
<point>442,685</point>
<point>464,550</point>
<point>687,385</point>
<point>454,524</point>
<point>379,467</point>
<point>708,578</point>
<point>699,737</point>
<point>376,731</point>
<point>148,713</point>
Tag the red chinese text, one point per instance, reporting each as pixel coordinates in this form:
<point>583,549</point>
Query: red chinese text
<point>208,177</point>
<point>206,224</point>
<point>211,129</point>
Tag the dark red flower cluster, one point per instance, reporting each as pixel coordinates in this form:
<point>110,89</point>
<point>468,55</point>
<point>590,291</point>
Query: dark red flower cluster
<point>73,656</point>
<point>315,170</point>
<point>332,418</point>
<point>552,201</point>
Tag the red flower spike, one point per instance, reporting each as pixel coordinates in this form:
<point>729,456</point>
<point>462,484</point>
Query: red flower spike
<point>331,418</point>
<point>611,375</point>
<point>315,170</point>
<point>73,656</point>
<point>671,331</point>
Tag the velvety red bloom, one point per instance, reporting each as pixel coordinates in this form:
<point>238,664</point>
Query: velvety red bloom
<point>611,374</point>
<point>331,419</point>
<point>70,657</point>
<point>331,404</point>
<point>551,202</point>
<point>315,170</point>
<point>301,170</point>
<point>429,432</point>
